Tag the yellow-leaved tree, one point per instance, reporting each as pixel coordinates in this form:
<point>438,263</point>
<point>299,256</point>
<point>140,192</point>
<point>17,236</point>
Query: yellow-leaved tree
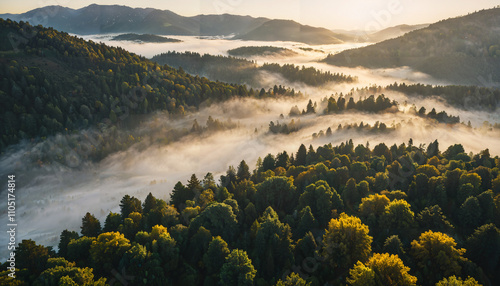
<point>381,269</point>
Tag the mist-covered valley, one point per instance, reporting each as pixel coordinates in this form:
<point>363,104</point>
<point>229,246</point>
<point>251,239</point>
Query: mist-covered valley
<point>144,147</point>
<point>56,191</point>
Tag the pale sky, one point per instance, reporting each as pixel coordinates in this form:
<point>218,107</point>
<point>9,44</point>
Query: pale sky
<point>332,14</point>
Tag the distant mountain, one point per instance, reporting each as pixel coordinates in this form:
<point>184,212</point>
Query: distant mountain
<point>106,19</point>
<point>464,50</point>
<point>378,36</point>
<point>393,32</point>
<point>103,19</point>
<point>226,24</point>
<point>288,30</point>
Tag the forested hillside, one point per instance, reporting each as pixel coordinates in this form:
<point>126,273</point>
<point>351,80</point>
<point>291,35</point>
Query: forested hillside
<point>53,82</point>
<point>391,215</point>
<point>242,71</point>
<point>462,50</point>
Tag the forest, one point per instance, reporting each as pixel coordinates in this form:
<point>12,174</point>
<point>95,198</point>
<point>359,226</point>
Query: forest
<point>57,83</point>
<point>242,71</point>
<point>249,51</point>
<point>461,50</point>
<point>145,38</point>
<point>464,97</point>
<point>345,214</point>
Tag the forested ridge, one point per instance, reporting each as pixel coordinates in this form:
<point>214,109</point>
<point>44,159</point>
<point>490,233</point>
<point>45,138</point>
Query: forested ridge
<point>346,214</point>
<point>238,70</point>
<point>461,50</point>
<point>465,97</point>
<point>261,51</point>
<point>52,82</point>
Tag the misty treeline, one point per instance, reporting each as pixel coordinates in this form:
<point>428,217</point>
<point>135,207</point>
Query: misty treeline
<point>148,38</point>
<point>377,128</point>
<point>242,71</point>
<point>339,104</point>
<point>465,97</point>
<point>346,214</point>
<point>56,83</point>
<point>249,51</point>
<point>93,145</point>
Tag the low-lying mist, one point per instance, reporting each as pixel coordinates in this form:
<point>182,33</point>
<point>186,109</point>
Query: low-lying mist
<point>53,196</point>
<point>56,196</point>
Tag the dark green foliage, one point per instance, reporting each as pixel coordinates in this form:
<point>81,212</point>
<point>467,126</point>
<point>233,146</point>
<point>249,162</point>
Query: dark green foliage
<point>216,255</point>
<point>278,193</point>
<point>219,219</point>
<point>306,222</point>
<point>268,163</point>
<point>273,247</point>
<point>179,195</point>
<point>300,158</point>
<point>469,215</point>
<point>112,222</point>
<point>237,270</point>
<point>91,226</point>
<point>65,237</point>
<point>32,256</point>
<point>322,200</point>
<point>432,218</point>
<point>483,247</point>
<point>393,245</point>
<point>243,171</point>
<point>129,205</point>
<point>79,250</point>
<point>149,203</point>
<point>294,222</point>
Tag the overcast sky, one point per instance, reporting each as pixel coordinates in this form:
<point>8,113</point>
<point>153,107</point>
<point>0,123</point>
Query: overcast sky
<point>332,14</point>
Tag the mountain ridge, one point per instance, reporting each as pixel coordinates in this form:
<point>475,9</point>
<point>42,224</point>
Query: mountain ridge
<point>463,50</point>
<point>106,19</point>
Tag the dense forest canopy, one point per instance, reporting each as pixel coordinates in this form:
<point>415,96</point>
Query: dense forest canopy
<point>54,82</point>
<point>397,215</point>
<point>238,70</point>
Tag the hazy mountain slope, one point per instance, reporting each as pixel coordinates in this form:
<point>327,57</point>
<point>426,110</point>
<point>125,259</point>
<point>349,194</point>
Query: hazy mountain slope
<point>287,30</point>
<point>393,32</point>
<point>462,50</point>
<point>226,24</point>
